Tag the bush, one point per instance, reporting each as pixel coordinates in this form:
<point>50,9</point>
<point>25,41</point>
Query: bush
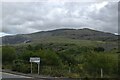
<point>8,54</point>
<point>21,66</point>
<point>52,71</point>
<point>72,75</point>
<point>45,70</point>
<point>99,49</point>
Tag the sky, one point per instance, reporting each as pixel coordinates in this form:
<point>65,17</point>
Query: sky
<point>28,17</point>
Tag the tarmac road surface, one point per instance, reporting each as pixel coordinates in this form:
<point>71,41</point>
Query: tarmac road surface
<point>8,75</point>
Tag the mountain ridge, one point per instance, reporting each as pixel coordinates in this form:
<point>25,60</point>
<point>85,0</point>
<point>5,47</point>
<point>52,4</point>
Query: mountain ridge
<point>76,34</point>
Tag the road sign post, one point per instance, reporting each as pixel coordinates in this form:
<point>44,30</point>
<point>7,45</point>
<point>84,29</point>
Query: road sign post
<point>38,68</point>
<point>31,67</point>
<point>35,60</point>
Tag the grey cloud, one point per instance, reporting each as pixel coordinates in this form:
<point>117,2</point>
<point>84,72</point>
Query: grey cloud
<point>107,18</point>
<point>31,17</point>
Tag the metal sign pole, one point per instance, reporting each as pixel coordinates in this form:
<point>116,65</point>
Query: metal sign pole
<point>31,67</point>
<point>38,67</point>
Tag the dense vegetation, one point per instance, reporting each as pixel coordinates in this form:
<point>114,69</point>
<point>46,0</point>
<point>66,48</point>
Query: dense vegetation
<point>62,59</point>
<point>63,52</point>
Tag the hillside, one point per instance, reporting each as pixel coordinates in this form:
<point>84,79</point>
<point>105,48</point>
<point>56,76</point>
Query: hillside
<point>62,34</point>
<point>70,53</point>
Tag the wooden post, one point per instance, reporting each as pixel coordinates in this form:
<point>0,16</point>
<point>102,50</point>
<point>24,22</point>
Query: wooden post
<point>101,73</point>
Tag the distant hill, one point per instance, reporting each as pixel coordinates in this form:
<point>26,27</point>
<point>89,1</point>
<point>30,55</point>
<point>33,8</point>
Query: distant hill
<point>71,34</point>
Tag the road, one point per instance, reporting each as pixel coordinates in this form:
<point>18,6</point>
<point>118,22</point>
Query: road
<point>8,75</point>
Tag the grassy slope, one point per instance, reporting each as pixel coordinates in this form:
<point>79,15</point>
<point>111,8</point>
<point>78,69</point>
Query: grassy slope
<point>63,40</point>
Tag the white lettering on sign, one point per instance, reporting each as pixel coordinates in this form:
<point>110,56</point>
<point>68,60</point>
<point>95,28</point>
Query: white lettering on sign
<point>35,59</point>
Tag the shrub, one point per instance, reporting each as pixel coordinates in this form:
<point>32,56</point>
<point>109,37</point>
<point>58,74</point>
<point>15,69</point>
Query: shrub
<point>99,49</point>
<point>8,54</point>
<point>21,66</point>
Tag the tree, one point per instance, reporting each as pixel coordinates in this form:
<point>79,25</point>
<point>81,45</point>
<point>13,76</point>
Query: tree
<point>29,47</point>
<point>49,57</point>
<point>26,55</point>
<point>8,54</point>
<point>99,49</point>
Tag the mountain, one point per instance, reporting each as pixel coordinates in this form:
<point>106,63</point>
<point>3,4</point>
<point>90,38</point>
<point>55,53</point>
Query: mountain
<point>61,34</point>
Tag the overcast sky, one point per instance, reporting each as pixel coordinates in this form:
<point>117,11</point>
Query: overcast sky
<point>29,17</point>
